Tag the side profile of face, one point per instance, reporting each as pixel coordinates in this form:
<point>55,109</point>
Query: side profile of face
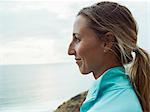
<point>87,48</point>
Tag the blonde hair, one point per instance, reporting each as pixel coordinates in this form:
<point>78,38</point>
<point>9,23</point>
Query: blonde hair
<point>112,17</point>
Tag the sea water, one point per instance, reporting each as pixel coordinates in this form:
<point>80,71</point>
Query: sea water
<point>39,87</point>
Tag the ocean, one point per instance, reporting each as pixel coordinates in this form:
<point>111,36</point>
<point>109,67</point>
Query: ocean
<point>39,87</point>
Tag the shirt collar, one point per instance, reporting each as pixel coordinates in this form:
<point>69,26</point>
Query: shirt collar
<point>113,78</point>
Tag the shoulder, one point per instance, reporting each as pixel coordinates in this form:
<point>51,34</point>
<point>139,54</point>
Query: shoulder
<point>120,100</point>
<point>112,92</point>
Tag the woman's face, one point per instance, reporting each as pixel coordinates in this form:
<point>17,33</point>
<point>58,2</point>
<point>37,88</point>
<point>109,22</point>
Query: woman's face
<point>86,47</point>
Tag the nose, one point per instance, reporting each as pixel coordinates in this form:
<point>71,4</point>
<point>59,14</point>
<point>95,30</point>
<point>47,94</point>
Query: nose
<point>71,50</point>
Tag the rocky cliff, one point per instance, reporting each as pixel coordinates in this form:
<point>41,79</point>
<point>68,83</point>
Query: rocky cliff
<point>72,105</point>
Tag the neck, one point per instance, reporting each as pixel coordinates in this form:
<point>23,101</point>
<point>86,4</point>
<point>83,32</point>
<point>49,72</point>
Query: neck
<point>105,67</point>
<point>100,72</point>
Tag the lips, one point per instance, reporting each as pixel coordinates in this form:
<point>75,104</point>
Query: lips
<point>78,61</point>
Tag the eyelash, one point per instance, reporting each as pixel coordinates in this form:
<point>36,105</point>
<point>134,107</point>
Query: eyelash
<point>76,39</point>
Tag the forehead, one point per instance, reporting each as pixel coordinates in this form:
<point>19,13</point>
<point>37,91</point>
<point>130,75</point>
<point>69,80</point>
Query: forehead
<point>81,27</point>
<point>80,24</point>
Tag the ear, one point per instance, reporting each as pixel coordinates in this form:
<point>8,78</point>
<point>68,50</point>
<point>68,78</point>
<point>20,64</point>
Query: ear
<point>109,41</point>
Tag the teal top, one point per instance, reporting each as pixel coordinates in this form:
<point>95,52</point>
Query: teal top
<point>112,92</point>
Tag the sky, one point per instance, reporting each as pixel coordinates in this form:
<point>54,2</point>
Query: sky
<point>39,31</point>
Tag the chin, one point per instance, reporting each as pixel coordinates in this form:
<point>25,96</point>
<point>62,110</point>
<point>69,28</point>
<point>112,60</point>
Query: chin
<point>84,70</point>
<point>85,73</point>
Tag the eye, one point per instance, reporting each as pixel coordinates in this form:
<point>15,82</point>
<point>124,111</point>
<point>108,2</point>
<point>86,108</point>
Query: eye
<point>76,39</point>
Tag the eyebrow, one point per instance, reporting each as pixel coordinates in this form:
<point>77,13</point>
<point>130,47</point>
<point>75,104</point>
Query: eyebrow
<point>74,34</point>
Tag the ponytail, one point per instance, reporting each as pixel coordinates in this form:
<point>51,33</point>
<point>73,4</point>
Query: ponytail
<point>140,77</point>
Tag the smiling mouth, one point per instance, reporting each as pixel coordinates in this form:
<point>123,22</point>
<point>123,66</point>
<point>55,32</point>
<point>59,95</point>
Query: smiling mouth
<point>78,61</point>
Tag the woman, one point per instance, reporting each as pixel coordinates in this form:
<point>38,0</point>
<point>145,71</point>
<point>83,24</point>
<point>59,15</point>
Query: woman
<point>104,40</point>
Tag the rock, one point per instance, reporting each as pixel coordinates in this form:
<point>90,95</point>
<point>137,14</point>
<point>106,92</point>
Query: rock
<point>72,105</point>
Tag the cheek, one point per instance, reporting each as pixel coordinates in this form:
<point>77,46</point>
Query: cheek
<point>82,50</point>
<point>93,54</point>
<point>88,50</point>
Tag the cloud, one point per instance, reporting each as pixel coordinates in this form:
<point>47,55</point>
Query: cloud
<point>32,50</point>
<point>29,22</point>
<point>34,32</point>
